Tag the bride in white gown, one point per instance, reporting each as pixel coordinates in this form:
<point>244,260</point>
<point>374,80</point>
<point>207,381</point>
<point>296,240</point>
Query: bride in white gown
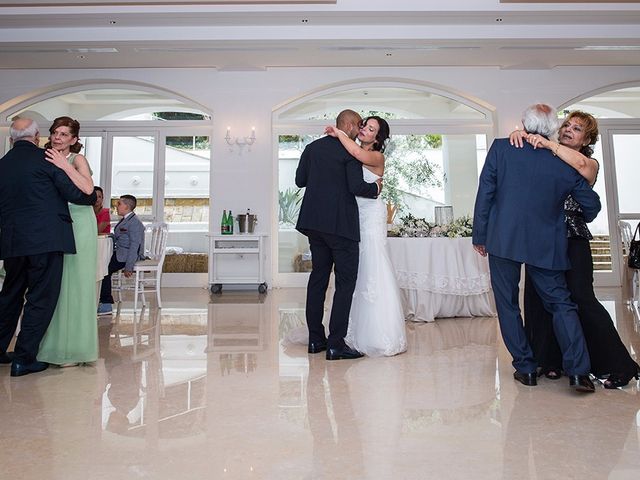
<point>376,321</point>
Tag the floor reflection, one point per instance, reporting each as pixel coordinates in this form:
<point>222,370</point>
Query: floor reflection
<point>568,441</point>
<point>154,383</point>
<point>209,385</point>
<point>333,422</point>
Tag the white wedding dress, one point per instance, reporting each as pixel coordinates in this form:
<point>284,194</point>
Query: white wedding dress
<point>376,321</point>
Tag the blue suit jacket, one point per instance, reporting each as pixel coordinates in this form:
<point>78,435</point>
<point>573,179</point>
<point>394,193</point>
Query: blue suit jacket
<point>129,241</point>
<point>519,210</point>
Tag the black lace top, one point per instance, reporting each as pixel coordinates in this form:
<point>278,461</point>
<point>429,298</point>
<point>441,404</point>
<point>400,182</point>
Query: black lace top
<point>576,226</point>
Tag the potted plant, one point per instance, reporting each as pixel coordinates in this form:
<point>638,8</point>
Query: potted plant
<point>289,202</point>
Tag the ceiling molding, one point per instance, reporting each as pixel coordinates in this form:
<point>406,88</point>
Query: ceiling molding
<point>118,3</point>
<point>254,38</point>
<point>570,1</point>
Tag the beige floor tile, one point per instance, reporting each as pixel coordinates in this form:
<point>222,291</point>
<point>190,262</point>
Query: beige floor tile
<point>209,388</point>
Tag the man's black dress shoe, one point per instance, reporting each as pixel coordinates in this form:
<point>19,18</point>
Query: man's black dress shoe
<point>317,347</point>
<point>528,379</point>
<point>346,353</point>
<point>18,369</point>
<point>582,383</point>
<point>6,357</point>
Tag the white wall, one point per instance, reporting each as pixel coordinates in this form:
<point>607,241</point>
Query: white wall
<point>241,100</point>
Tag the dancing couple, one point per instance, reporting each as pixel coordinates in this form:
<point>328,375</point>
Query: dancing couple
<point>345,222</point>
<point>534,200</point>
<point>45,250</point>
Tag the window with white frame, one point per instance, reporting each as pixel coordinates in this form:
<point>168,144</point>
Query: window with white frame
<point>148,143</point>
<point>437,146</point>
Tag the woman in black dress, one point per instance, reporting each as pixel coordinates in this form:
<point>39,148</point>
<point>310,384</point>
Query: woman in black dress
<point>609,356</point>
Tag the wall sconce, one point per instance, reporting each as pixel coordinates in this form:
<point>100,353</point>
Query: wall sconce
<point>241,142</point>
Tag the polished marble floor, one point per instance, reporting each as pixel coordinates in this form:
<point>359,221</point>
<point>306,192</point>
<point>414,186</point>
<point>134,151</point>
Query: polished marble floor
<point>209,388</point>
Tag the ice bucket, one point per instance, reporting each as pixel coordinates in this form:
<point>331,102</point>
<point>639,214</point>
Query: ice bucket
<point>247,222</point>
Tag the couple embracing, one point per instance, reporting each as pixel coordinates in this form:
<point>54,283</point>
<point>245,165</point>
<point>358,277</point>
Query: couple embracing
<point>345,223</point>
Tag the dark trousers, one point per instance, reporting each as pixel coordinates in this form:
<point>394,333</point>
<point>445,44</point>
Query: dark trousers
<point>36,278</point>
<point>327,252</point>
<point>608,353</point>
<point>105,287</point>
<point>552,288</point>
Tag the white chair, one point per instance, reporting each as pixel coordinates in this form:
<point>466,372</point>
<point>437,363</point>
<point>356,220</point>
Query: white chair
<point>633,283</point>
<point>156,239</point>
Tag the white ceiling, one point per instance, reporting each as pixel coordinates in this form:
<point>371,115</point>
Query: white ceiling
<point>351,33</point>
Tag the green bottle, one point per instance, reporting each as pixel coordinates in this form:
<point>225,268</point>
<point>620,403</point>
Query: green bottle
<point>223,223</point>
<point>230,223</point>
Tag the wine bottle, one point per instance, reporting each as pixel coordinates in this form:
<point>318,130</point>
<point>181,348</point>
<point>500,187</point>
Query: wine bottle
<point>230,223</point>
<point>223,223</point>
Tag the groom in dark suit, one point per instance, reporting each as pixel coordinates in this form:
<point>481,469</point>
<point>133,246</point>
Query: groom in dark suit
<point>329,218</point>
<point>519,218</point>
<point>35,231</point>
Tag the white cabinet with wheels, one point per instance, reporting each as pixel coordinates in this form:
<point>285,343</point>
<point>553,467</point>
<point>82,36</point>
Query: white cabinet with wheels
<point>237,259</point>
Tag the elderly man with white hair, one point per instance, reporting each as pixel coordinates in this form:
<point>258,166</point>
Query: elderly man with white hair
<point>519,219</point>
<point>35,232</point>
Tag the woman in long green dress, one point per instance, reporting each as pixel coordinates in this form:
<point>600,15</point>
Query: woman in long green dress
<point>72,336</point>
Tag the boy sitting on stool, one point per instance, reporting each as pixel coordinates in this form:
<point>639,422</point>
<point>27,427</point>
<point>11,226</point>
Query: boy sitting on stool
<point>128,246</point>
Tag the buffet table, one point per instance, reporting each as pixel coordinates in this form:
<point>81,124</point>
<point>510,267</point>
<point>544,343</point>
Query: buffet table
<point>441,277</point>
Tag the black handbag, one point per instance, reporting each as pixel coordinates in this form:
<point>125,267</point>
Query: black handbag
<point>634,250</point>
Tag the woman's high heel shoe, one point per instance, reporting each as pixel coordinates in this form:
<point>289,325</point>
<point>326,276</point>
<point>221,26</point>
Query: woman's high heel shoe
<point>617,380</point>
<point>551,373</point>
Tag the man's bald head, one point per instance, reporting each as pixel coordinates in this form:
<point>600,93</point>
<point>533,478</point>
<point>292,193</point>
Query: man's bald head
<point>24,129</point>
<point>349,122</point>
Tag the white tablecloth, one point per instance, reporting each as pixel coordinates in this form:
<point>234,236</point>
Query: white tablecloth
<point>441,277</point>
<point>105,250</point>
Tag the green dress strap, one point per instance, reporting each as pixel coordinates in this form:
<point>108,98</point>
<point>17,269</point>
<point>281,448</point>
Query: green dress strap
<point>72,157</point>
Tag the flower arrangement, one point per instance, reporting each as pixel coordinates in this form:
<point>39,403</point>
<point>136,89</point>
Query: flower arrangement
<point>461,227</point>
<point>419,227</point>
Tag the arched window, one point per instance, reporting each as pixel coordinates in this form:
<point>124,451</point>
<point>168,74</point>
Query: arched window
<point>618,114</point>
<point>438,141</point>
<point>143,141</point>
<point>620,103</point>
<point>112,104</point>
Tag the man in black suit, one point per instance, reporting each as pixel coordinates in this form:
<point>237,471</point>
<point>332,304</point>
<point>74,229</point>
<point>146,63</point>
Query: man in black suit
<point>35,232</point>
<point>329,218</point>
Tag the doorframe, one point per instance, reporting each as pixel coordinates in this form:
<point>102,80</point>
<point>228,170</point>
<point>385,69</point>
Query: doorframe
<point>608,128</point>
<point>312,127</point>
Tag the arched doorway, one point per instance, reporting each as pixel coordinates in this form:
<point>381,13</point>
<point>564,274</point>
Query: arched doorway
<point>439,140</point>
<point>618,112</point>
<point>144,141</point>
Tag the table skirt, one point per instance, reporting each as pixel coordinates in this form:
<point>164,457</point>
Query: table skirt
<point>440,278</point>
